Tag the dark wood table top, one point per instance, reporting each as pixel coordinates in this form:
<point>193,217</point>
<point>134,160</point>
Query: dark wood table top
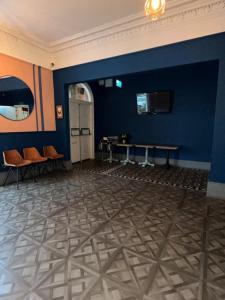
<point>156,146</point>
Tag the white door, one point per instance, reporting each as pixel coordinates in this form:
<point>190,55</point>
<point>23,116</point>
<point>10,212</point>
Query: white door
<point>81,135</point>
<point>74,131</point>
<point>86,134</point>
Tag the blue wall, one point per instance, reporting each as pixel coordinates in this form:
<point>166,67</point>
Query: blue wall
<point>27,139</point>
<point>189,52</point>
<point>194,88</point>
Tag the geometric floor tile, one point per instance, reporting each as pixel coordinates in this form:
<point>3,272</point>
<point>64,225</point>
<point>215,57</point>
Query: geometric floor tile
<point>43,230</point>
<point>35,265</point>
<point>107,289</point>
<point>68,281</point>
<point>190,264</point>
<point>20,219</point>
<point>80,235</point>
<point>130,269</point>
<point>215,290</point>
<point>171,285</point>
<point>6,233</point>
<point>114,232</point>
<point>216,264</point>
<point>15,249</point>
<point>94,253</point>
<point>66,240</point>
<point>176,252</point>
<point>143,243</point>
<point>10,286</point>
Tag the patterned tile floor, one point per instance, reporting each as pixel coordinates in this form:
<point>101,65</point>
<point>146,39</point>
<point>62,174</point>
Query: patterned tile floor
<point>192,179</point>
<point>80,236</point>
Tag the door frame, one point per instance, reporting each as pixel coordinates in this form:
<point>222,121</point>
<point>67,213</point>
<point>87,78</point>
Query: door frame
<point>84,102</point>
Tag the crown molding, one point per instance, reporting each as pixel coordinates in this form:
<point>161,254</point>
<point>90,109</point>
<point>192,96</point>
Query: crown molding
<point>29,39</point>
<point>183,20</point>
<point>175,9</point>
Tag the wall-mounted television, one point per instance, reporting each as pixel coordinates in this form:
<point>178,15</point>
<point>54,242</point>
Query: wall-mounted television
<point>154,102</point>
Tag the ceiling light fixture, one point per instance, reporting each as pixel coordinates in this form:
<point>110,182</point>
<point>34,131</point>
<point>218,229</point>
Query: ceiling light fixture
<point>155,8</point>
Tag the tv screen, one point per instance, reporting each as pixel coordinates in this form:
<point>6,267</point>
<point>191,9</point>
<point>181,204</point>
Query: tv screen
<point>160,102</point>
<point>154,102</point>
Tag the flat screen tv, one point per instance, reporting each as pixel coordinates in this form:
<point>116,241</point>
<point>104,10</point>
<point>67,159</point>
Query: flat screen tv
<point>154,102</point>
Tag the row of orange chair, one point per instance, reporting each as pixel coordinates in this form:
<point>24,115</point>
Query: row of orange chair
<point>31,156</point>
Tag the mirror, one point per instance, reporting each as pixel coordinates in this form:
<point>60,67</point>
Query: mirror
<point>16,98</point>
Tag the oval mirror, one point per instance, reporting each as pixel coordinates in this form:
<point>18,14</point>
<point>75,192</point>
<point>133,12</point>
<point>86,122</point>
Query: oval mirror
<point>16,98</point>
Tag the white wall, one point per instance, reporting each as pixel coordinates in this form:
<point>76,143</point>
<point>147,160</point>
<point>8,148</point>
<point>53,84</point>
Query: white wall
<point>139,33</point>
<point>24,49</point>
<point>189,20</point>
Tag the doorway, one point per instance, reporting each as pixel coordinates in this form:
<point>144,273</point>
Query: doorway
<point>81,112</point>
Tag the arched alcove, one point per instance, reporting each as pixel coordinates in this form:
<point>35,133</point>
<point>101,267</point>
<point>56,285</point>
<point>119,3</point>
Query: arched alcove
<point>81,112</point>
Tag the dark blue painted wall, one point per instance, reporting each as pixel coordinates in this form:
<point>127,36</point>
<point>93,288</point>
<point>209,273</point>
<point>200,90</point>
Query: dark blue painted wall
<point>28,139</point>
<point>194,51</point>
<point>190,123</point>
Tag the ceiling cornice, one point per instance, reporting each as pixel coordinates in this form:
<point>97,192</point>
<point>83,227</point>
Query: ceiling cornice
<point>31,39</point>
<point>175,9</point>
<point>183,20</point>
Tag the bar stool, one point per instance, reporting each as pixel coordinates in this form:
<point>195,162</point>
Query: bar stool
<point>110,159</point>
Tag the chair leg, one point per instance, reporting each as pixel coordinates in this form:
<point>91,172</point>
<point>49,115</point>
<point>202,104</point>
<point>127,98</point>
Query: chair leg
<point>7,176</point>
<point>25,172</point>
<point>21,174</point>
<point>33,173</point>
<point>62,164</point>
<point>17,178</point>
<point>38,168</point>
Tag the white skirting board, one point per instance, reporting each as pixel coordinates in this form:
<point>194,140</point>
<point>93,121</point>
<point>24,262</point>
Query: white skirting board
<point>216,190</point>
<point>202,165</point>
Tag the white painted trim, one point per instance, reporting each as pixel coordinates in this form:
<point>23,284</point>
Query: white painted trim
<point>87,87</point>
<point>189,20</point>
<point>216,190</point>
<point>174,10</point>
<point>183,20</point>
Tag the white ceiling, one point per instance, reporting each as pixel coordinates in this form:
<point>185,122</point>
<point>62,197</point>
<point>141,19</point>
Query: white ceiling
<point>52,20</point>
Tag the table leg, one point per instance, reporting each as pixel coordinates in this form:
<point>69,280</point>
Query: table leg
<point>146,162</point>
<point>127,160</point>
<point>168,159</point>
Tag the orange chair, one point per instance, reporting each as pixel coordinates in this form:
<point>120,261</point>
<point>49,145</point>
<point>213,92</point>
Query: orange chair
<point>51,153</point>
<point>34,156</point>
<point>14,161</point>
